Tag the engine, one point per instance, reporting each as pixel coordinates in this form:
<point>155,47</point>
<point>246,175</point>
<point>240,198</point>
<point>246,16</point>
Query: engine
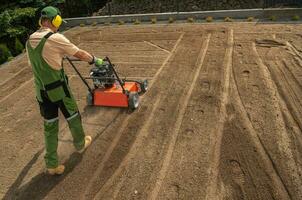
<point>102,76</point>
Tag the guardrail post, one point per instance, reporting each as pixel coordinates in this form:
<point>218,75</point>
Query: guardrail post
<point>177,6</point>
<point>109,8</point>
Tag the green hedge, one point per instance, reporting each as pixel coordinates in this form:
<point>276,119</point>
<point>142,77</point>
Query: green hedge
<point>18,46</point>
<point>4,53</point>
<point>16,24</point>
<point>19,19</point>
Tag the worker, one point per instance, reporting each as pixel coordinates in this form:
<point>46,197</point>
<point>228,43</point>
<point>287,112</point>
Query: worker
<point>45,50</point>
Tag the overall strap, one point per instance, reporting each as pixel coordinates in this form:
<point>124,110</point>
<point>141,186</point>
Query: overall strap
<point>48,35</point>
<point>40,46</point>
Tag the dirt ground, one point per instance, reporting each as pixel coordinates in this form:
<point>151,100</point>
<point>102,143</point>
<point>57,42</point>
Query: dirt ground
<point>222,118</point>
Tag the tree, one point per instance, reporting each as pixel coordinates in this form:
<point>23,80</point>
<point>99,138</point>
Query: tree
<point>18,19</point>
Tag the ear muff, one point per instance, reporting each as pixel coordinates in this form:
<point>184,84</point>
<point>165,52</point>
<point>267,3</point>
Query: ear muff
<point>57,21</point>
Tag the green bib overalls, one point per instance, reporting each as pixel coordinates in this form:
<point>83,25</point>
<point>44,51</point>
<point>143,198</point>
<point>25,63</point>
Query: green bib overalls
<point>53,93</point>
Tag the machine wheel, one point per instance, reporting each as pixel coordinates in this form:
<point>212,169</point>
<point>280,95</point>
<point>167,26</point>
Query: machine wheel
<point>133,100</point>
<point>89,99</point>
<point>143,86</point>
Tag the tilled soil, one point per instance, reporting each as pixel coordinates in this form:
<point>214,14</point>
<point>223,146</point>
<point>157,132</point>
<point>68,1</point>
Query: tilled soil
<point>221,118</point>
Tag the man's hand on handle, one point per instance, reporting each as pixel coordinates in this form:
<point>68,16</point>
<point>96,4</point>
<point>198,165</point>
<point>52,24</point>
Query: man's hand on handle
<point>98,62</point>
<point>85,56</point>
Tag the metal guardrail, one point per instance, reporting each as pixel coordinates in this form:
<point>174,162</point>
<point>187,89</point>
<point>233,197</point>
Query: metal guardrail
<point>282,14</point>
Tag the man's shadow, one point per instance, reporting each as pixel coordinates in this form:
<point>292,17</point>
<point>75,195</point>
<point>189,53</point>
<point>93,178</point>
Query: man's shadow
<point>41,184</point>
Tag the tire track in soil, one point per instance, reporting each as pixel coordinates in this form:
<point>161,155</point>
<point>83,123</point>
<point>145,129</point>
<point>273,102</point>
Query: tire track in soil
<point>293,70</point>
<point>16,89</point>
<point>22,93</point>
<point>239,170</point>
<point>283,143</point>
<point>135,37</point>
<point>64,154</point>
<point>240,164</point>
<point>22,97</point>
<point>244,157</point>
<point>17,113</point>
<point>187,177</point>
<point>185,99</point>
<point>66,148</point>
<point>13,68</point>
<point>294,50</point>
<point>288,94</point>
<point>289,90</point>
<point>272,134</point>
<point>117,138</point>
<point>212,188</point>
<point>292,58</point>
<point>143,133</point>
<point>157,46</point>
<point>20,87</point>
<point>15,83</point>
<point>292,73</point>
<point>136,145</point>
<point>158,126</point>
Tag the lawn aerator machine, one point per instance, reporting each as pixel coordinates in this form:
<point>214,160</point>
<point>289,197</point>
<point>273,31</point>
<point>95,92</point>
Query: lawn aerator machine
<point>109,89</point>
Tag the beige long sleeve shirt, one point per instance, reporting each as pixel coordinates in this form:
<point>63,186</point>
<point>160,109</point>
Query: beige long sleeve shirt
<point>56,47</point>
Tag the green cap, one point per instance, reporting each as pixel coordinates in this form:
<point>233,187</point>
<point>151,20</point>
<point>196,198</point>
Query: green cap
<point>50,12</point>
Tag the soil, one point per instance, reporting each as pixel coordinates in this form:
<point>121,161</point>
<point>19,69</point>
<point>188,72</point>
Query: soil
<point>221,118</point>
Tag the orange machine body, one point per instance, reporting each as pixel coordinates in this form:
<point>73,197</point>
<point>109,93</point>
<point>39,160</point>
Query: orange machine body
<point>114,96</point>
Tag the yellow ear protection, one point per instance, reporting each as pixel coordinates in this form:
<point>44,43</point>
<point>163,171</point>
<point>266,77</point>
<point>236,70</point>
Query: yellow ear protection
<point>57,21</point>
<point>53,14</point>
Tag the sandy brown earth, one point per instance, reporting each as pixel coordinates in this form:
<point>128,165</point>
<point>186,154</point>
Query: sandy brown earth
<point>222,118</point>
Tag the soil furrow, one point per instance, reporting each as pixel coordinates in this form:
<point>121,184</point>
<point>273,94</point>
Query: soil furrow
<point>242,166</point>
<point>151,53</point>
<point>135,37</point>
<point>136,145</point>
<point>278,127</point>
<point>101,159</point>
<point>151,162</point>
<point>294,50</point>
<point>250,159</point>
<point>289,90</point>
<point>24,98</point>
<point>14,68</point>
<point>245,157</point>
<point>154,106</point>
<point>294,69</point>
<point>221,118</point>
<point>14,83</point>
<point>185,99</point>
<point>157,46</point>
<point>212,189</point>
<point>17,89</point>
<point>187,175</point>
